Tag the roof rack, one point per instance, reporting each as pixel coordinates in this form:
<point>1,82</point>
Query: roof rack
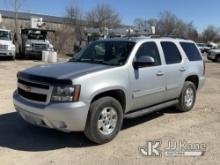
<point>154,36</point>
<point>175,36</point>
<point>167,36</point>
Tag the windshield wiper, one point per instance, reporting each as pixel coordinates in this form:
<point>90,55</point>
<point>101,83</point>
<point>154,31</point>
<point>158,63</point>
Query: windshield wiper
<point>79,60</point>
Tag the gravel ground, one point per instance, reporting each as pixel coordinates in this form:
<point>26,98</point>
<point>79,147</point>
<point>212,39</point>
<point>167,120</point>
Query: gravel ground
<point>21,143</point>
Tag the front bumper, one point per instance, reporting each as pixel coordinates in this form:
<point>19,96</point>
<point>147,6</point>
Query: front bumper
<point>65,117</point>
<point>33,53</point>
<point>211,56</point>
<point>7,53</point>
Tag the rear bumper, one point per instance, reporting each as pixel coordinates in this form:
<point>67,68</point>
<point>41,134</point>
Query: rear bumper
<point>65,117</point>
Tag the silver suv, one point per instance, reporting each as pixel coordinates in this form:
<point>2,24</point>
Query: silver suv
<point>108,81</point>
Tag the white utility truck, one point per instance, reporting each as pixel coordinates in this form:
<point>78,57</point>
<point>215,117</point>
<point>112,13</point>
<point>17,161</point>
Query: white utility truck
<point>35,40</point>
<point>7,48</point>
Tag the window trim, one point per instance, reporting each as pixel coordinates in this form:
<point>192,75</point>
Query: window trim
<point>177,50</point>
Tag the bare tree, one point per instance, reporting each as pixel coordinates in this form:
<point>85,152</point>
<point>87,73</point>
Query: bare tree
<point>145,25</point>
<point>192,32</point>
<point>16,6</point>
<point>103,16</point>
<point>168,24</point>
<point>74,18</point>
<point>211,33</point>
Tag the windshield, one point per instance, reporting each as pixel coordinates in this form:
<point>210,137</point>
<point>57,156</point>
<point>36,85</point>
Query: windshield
<point>105,52</point>
<point>201,45</point>
<point>37,35</point>
<point>5,35</point>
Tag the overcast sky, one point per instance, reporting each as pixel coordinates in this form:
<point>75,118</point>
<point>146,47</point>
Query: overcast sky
<point>200,12</point>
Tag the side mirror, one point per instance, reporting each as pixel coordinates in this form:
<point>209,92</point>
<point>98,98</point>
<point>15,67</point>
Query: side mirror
<point>143,61</point>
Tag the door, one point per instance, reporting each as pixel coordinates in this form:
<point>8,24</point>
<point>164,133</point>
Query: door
<point>147,83</point>
<point>175,69</point>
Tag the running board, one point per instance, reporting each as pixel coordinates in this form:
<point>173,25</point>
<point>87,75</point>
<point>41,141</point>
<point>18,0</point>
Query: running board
<point>151,109</point>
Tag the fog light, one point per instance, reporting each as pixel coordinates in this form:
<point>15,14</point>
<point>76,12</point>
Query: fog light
<point>59,124</point>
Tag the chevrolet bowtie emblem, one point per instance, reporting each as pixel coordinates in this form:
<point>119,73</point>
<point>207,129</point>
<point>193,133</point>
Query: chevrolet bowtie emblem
<point>26,88</point>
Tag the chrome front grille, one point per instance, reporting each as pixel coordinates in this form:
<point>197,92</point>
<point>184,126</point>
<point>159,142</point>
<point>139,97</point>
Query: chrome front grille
<point>34,91</point>
<point>3,47</point>
<point>39,47</point>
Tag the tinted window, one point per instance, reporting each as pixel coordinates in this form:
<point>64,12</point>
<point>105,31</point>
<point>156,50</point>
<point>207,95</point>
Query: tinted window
<point>149,49</point>
<point>105,52</point>
<point>191,51</point>
<point>171,53</point>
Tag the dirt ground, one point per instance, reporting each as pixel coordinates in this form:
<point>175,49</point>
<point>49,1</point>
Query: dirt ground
<point>21,143</point>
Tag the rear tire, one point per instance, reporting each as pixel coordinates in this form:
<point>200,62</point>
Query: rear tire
<point>187,97</point>
<point>218,59</point>
<point>104,120</point>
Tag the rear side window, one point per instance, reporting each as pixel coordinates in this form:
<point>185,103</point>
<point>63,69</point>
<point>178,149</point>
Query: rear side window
<point>191,51</point>
<point>171,53</point>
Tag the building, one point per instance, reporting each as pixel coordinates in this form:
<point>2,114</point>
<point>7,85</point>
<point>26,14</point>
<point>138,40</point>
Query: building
<point>66,36</point>
<point>24,20</point>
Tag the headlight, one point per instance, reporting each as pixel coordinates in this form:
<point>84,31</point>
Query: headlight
<point>27,45</point>
<point>50,47</point>
<point>12,48</point>
<point>66,93</point>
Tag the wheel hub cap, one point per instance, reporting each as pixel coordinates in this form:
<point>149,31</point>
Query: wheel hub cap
<point>107,120</point>
<point>189,97</point>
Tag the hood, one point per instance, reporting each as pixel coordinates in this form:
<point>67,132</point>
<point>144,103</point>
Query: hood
<point>63,71</point>
<point>215,50</point>
<point>5,42</point>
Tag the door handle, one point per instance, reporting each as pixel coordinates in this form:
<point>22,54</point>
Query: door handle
<point>160,73</point>
<point>182,69</point>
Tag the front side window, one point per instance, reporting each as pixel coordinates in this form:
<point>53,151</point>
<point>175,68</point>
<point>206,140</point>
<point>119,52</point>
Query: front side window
<point>105,52</point>
<point>171,53</point>
<point>149,49</point>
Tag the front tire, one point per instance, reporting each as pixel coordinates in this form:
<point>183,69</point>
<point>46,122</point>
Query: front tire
<point>187,97</point>
<point>104,120</point>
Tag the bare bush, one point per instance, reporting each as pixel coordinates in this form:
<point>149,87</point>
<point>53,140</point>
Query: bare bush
<point>63,41</point>
<point>211,33</point>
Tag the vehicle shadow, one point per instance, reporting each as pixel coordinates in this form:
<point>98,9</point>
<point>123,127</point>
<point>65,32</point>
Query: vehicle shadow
<point>18,135</point>
<point>5,58</point>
